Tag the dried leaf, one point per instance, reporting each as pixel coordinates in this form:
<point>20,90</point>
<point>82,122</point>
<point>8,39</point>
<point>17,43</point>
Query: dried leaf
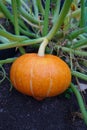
<point>82,87</point>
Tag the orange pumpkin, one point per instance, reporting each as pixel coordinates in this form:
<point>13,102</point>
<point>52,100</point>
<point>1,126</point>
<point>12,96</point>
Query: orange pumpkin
<point>40,76</point>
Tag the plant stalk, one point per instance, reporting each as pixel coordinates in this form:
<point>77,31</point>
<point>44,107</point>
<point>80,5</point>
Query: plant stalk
<point>46,18</point>
<point>57,10</point>
<point>40,7</point>
<point>8,15</point>
<point>6,61</point>
<point>82,19</point>
<point>28,16</point>
<point>76,33</point>
<point>12,37</point>
<point>80,43</point>
<point>15,17</point>
<point>79,75</point>
<point>16,23</point>
<point>35,8</point>
<point>59,20</point>
<point>22,43</point>
<point>41,51</point>
<point>80,102</point>
<point>73,51</point>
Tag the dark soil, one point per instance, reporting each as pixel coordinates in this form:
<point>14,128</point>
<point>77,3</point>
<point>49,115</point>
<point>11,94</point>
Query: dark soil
<point>20,112</point>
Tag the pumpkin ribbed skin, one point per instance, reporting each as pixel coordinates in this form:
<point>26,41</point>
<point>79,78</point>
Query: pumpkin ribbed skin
<point>40,76</point>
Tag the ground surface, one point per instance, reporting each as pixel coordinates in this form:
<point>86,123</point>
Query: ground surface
<point>20,112</point>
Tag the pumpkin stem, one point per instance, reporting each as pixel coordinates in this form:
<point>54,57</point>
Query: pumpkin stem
<point>42,47</point>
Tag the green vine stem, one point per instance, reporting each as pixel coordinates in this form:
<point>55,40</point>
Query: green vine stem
<point>82,19</point>
<point>18,3</point>
<point>5,11</point>
<point>79,75</point>
<point>40,7</point>
<point>16,23</point>
<point>35,8</point>
<point>73,51</point>
<point>80,102</point>
<point>76,33</point>
<point>9,60</point>
<point>46,18</point>
<point>28,33</point>
<point>60,19</point>
<point>15,17</point>
<point>80,43</point>
<point>26,6</point>
<point>23,29</point>
<point>8,15</point>
<point>39,40</point>
<point>28,22</point>
<point>26,15</point>
<point>22,43</point>
<point>12,36</point>
<point>56,12</point>
<point>58,22</point>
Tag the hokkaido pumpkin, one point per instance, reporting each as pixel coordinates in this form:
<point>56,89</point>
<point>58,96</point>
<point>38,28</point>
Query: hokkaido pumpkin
<point>40,76</point>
